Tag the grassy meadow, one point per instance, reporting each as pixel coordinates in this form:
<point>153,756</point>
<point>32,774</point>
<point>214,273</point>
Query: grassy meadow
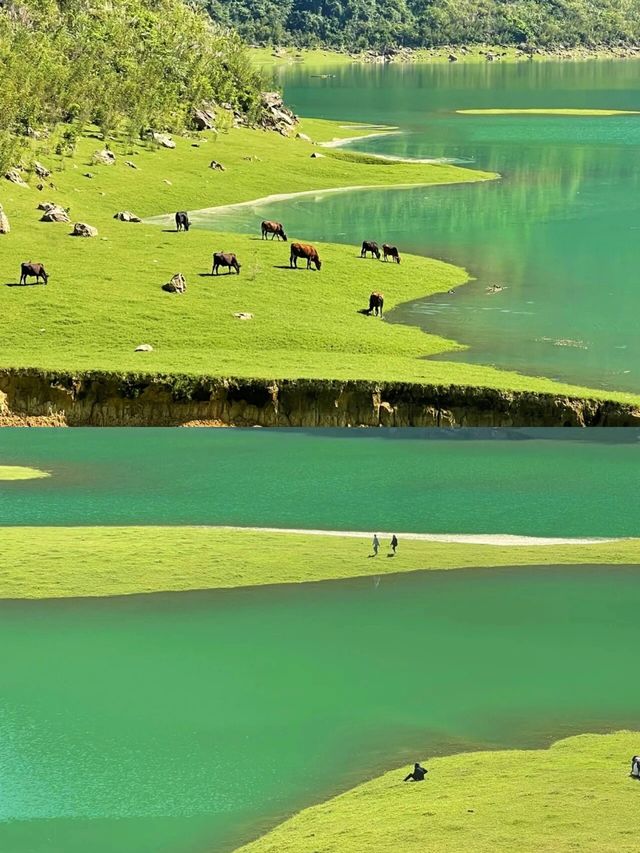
<point>574,796</point>
<point>66,562</point>
<point>104,296</point>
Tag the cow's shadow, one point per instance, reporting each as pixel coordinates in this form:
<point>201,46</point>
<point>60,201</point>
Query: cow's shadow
<point>23,283</point>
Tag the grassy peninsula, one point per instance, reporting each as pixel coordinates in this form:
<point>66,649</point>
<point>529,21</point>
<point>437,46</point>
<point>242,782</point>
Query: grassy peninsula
<point>576,795</point>
<point>67,562</point>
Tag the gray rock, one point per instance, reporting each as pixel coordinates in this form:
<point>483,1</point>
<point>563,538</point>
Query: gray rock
<point>303,136</point>
<point>55,214</point>
<point>126,216</point>
<point>40,170</point>
<point>104,157</point>
<point>204,118</point>
<point>243,315</point>
<point>15,177</point>
<point>88,175</point>
<point>215,165</point>
<point>5,228</point>
<point>81,229</point>
<point>316,155</point>
<point>144,348</point>
<point>163,140</point>
<point>130,164</point>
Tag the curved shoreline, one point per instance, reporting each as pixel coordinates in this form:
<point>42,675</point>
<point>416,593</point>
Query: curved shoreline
<point>496,539</point>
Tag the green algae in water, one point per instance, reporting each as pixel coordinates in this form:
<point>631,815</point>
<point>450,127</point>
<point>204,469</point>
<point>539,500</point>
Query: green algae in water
<point>191,722</point>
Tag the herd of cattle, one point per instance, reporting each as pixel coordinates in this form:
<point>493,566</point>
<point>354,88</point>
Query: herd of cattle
<point>228,261</point>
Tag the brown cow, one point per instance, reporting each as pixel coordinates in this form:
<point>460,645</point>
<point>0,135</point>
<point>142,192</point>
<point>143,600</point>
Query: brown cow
<point>273,228</point>
<point>376,301</point>
<point>390,252</point>
<point>369,246</point>
<point>31,270</point>
<point>301,250</point>
<point>225,259</point>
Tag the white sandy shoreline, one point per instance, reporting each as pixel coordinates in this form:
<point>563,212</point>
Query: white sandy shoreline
<point>497,539</point>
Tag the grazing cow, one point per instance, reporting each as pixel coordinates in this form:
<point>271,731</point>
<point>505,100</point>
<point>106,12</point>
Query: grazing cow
<point>370,246</point>
<point>273,228</point>
<point>29,270</point>
<point>376,301</point>
<point>391,252</point>
<point>182,221</point>
<point>225,259</point>
<point>301,250</point>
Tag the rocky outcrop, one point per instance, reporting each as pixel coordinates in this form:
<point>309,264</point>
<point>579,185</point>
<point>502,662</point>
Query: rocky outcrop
<point>53,213</point>
<point>275,116</point>
<point>204,118</point>
<point>104,399</point>
<point>41,170</point>
<point>81,229</point>
<point>163,140</point>
<point>16,178</point>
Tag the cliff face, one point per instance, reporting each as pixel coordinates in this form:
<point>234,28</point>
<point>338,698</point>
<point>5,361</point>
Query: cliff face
<point>32,397</point>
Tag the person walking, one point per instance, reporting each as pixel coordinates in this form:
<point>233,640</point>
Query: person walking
<point>394,543</point>
<point>376,544</point>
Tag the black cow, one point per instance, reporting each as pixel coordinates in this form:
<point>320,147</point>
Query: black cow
<point>30,270</point>
<point>376,301</point>
<point>182,221</point>
<point>225,259</point>
<point>369,246</point>
<point>390,252</point>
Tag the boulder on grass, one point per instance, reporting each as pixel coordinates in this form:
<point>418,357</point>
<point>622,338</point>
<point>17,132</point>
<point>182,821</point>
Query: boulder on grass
<point>177,284</point>
<point>215,165</point>
<point>126,216</point>
<point>204,118</point>
<point>144,348</point>
<point>40,170</point>
<point>243,315</point>
<point>163,140</point>
<point>104,157</point>
<point>55,214</point>
<point>4,222</point>
<point>81,229</point>
<point>15,177</point>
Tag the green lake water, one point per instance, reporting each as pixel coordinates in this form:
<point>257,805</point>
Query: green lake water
<point>533,482</point>
<point>187,723</point>
<point>192,722</point>
<point>560,232</point>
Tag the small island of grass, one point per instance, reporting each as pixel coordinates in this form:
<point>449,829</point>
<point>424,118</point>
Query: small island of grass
<point>21,472</point>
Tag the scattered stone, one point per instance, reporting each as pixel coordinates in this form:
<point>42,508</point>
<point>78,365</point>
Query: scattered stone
<point>195,145</point>
<point>167,182</point>
<point>163,140</point>
<point>40,187</point>
<point>215,165</point>
<point>204,118</point>
<point>15,177</point>
<point>81,229</point>
<point>177,284</point>
<point>46,206</point>
<point>5,228</point>
<point>126,216</point>
<point>303,137</point>
<point>40,170</point>
<point>453,57</point>
<point>495,288</point>
<point>88,175</point>
<point>55,214</point>
<point>252,158</point>
<point>104,157</point>
<point>243,315</point>
<point>130,164</point>
<point>144,348</point>
<point>316,155</point>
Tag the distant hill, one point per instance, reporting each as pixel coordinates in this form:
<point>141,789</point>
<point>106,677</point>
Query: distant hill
<point>359,24</point>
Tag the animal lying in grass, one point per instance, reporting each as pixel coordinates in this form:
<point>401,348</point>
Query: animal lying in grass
<point>369,246</point>
<point>275,229</point>
<point>302,250</point>
<point>225,259</point>
<point>31,270</point>
<point>390,252</point>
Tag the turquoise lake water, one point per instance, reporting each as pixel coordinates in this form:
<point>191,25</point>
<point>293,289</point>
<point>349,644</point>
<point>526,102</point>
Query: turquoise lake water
<point>560,232</point>
<point>533,482</point>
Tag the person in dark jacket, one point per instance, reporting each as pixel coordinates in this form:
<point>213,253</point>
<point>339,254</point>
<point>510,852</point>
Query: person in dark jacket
<point>417,774</point>
<point>635,767</point>
<point>394,543</point>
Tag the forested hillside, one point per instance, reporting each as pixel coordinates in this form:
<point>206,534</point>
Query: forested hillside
<point>123,65</point>
<point>358,24</point>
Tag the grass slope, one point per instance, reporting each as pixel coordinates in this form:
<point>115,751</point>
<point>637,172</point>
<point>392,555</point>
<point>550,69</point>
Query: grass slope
<point>576,795</point>
<point>63,562</point>
<point>547,112</point>
<point>104,297</point>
